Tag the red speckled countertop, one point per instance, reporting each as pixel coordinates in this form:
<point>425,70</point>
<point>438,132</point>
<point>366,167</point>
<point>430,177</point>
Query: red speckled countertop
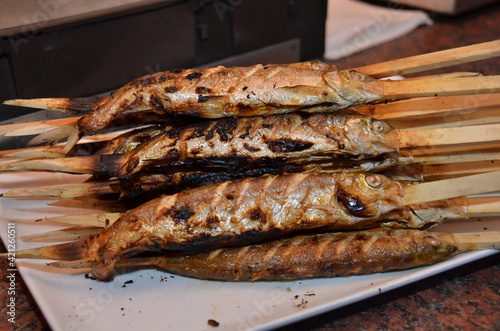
<point>465,298</point>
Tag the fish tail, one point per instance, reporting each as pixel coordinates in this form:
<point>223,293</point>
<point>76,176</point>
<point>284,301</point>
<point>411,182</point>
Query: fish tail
<point>76,250</point>
<point>77,106</point>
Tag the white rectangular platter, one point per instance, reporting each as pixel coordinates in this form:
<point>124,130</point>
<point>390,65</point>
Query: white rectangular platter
<point>153,299</point>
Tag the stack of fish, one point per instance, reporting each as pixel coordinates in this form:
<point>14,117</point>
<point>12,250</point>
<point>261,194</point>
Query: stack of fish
<point>272,172</point>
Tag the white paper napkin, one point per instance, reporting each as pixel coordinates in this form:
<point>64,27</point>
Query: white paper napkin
<point>352,26</point>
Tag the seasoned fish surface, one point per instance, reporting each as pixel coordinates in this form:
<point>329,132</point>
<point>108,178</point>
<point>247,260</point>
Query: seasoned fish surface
<point>237,91</point>
<point>314,256</point>
<point>290,137</point>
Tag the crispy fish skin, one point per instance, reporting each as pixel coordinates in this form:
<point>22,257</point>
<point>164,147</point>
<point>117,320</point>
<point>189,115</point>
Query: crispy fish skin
<point>248,210</point>
<point>241,141</point>
<point>314,256</point>
<point>237,91</point>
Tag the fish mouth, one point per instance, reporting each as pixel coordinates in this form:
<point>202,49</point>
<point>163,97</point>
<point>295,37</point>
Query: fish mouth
<point>391,141</point>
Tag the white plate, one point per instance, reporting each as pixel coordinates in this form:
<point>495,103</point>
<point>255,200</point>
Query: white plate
<point>155,299</point>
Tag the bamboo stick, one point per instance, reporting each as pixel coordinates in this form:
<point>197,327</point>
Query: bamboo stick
<point>451,170</point>
<point>450,188</point>
<point>67,190</point>
<point>483,206</point>
<point>73,233</point>
<point>448,120</point>
<point>425,106</point>
<point>95,220</point>
<point>37,127</point>
<point>433,60</point>
<point>403,89</point>
<point>450,136</point>
<point>473,240</point>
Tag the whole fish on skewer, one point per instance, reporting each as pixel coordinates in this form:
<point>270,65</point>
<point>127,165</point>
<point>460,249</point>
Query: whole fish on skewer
<point>315,255</point>
<point>244,91</point>
<point>278,139</point>
<point>254,209</point>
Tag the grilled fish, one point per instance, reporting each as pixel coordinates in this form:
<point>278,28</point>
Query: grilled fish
<point>311,256</point>
<point>222,92</point>
<point>271,139</point>
<point>232,143</point>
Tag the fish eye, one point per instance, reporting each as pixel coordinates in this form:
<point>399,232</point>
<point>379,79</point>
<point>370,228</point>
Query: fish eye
<point>378,126</point>
<point>355,75</point>
<point>373,181</point>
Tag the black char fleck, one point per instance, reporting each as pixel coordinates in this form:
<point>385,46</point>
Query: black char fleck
<point>204,98</point>
<point>181,215</point>
<point>171,89</point>
<point>193,75</point>
<point>353,204</point>
<point>287,145</point>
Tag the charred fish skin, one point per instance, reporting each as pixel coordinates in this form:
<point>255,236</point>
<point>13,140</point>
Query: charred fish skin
<point>290,137</point>
<point>245,211</point>
<point>314,256</point>
<point>237,91</point>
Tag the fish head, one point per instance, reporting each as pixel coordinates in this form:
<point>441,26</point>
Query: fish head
<point>358,135</point>
<point>372,136</point>
<point>354,86</point>
<point>369,195</point>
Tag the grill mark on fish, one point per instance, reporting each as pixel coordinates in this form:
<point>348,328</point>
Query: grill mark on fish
<point>241,194</point>
<point>288,250</point>
<point>285,145</point>
<point>344,242</point>
<point>219,195</point>
<point>224,129</point>
<point>205,98</point>
<point>367,244</point>
<point>242,252</point>
<point>251,148</point>
<point>321,248</point>
<point>270,253</point>
<point>247,132</point>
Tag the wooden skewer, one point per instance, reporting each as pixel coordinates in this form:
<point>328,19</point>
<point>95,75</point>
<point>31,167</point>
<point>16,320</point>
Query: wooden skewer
<point>448,120</point>
<point>95,220</point>
<point>450,136</point>
<point>91,203</point>
<point>450,150</point>
<point>456,74</point>
<point>450,188</point>
<point>458,158</point>
<point>451,170</point>
<point>37,127</point>
<point>67,190</point>
<point>73,233</point>
<point>418,107</point>
<point>403,89</point>
<point>433,60</point>
<point>473,240</point>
